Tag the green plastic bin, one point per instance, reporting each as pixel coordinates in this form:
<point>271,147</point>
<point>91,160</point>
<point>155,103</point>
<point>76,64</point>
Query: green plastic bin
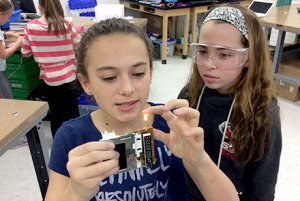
<point>26,65</point>
<point>25,84</point>
<point>23,72</point>
<point>18,58</point>
<point>22,75</point>
<point>21,94</point>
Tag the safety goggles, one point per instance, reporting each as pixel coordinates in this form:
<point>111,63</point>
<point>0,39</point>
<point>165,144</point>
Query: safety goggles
<point>223,57</point>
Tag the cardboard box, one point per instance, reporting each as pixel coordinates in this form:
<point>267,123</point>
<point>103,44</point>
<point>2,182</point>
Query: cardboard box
<point>287,90</point>
<point>291,68</point>
<point>284,89</point>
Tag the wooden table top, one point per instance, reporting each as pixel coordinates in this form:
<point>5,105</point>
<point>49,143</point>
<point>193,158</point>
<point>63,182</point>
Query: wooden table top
<point>17,116</point>
<point>283,17</point>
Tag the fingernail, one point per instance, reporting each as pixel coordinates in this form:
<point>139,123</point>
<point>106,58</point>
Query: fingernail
<point>145,111</point>
<point>111,145</point>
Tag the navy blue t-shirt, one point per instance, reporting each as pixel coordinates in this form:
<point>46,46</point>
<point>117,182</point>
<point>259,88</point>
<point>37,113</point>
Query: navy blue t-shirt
<point>163,182</point>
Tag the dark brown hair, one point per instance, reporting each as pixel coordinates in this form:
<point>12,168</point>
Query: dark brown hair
<point>5,5</point>
<point>105,28</point>
<point>54,15</point>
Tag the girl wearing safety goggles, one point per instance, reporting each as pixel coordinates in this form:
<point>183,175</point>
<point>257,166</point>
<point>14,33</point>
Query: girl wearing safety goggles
<point>231,86</point>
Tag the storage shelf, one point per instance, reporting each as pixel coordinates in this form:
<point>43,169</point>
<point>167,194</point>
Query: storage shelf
<point>287,79</point>
<point>289,71</point>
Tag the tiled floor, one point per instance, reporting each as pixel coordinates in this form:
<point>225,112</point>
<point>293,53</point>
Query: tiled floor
<point>18,180</point>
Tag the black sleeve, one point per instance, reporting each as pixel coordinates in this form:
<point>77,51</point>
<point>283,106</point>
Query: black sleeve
<point>183,93</point>
<point>261,177</point>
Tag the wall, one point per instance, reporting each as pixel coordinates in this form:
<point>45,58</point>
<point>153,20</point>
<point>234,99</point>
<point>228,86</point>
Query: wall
<point>36,4</point>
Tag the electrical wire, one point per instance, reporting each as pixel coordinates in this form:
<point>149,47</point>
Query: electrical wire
<point>20,64</point>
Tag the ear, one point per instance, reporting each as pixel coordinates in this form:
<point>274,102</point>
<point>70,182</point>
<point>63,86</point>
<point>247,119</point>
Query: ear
<point>246,65</point>
<point>151,75</point>
<point>85,83</point>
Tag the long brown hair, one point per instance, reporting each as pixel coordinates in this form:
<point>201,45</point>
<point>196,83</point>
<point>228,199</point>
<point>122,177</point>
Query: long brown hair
<point>253,92</point>
<point>54,15</point>
<point>5,5</point>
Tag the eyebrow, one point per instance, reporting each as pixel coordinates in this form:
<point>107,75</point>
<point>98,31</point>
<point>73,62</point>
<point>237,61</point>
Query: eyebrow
<point>103,68</point>
<point>218,47</point>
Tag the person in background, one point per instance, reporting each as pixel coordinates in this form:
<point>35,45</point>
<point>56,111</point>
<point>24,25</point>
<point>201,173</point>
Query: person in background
<point>115,66</point>
<point>232,87</point>
<point>6,10</point>
<point>52,41</point>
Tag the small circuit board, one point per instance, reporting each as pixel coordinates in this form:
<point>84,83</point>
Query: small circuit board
<point>136,149</point>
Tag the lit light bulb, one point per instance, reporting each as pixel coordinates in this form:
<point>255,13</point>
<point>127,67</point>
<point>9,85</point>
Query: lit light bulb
<point>145,115</point>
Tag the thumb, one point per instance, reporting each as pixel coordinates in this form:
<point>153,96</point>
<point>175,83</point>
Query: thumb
<point>161,136</point>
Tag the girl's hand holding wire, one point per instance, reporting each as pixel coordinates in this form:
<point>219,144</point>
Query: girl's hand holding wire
<point>19,41</point>
<point>185,139</point>
<point>16,35</point>
<point>88,165</point>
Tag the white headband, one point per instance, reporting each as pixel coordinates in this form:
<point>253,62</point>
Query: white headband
<point>231,15</point>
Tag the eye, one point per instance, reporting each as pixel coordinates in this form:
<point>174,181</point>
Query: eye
<point>139,74</point>
<point>202,51</point>
<point>225,54</point>
<point>109,79</point>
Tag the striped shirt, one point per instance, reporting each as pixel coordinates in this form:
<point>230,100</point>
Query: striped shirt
<point>55,55</point>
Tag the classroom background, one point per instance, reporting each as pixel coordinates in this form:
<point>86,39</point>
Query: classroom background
<point>18,180</point>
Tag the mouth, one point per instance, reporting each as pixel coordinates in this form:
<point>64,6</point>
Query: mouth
<point>126,106</point>
<point>210,78</point>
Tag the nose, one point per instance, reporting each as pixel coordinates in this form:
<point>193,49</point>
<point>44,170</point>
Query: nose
<point>210,62</point>
<point>126,87</point>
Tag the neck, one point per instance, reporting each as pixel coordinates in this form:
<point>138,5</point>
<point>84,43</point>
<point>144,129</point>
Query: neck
<point>43,19</point>
<point>109,124</point>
